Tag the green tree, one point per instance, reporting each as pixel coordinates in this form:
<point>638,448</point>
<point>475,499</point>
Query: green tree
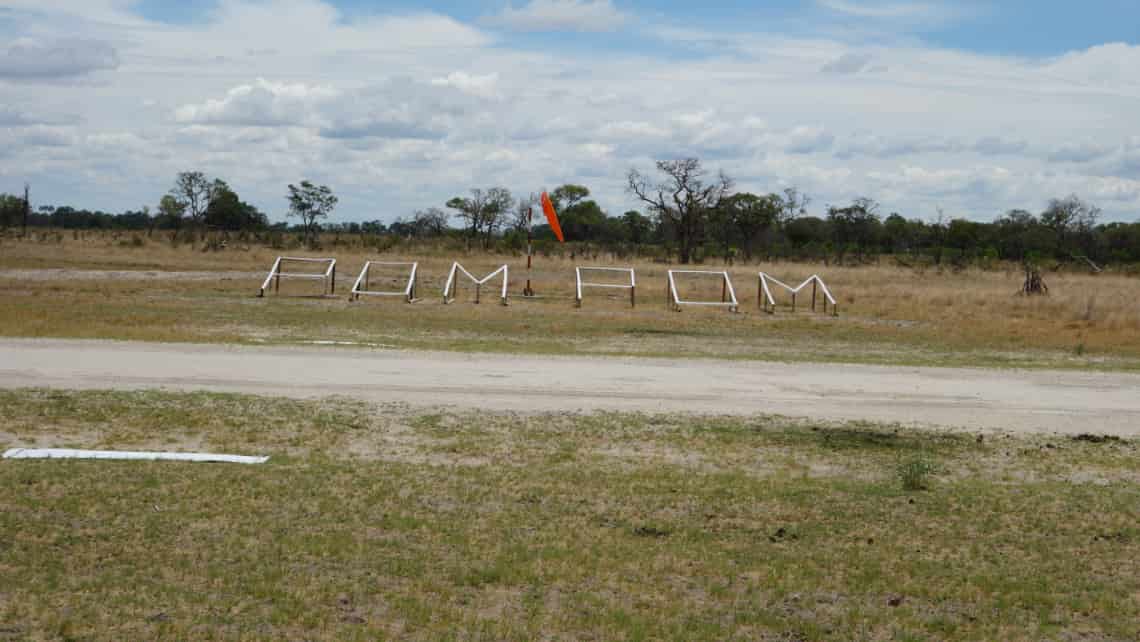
<point>749,218</point>
<point>310,203</point>
<point>856,225</point>
<point>566,196</point>
<point>11,210</point>
<point>636,227</point>
<point>170,212</point>
<point>228,212</point>
<point>194,192</point>
<point>583,221</point>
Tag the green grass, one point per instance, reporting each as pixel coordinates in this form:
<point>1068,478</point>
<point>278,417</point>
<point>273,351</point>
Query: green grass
<point>388,522</point>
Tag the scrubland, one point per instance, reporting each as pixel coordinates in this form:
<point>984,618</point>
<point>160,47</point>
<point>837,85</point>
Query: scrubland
<point>99,285</point>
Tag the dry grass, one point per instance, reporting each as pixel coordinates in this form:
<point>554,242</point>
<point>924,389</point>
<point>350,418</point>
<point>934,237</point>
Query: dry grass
<point>383,522</point>
<point>888,314</point>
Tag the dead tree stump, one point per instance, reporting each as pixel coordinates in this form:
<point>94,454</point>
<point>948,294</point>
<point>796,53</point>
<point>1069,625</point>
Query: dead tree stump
<point>1034,284</point>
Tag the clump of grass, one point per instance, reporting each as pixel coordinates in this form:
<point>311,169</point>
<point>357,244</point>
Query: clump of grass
<point>914,472</point>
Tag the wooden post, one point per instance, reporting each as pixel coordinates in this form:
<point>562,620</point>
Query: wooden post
<point>793,301</point>
<point>528,290</point>
<point>27,209</point>
<point>724,289</point>
<point>633,296</point>
<point>813,286</point>
<point>477,286</point>
<point>277,281</point>
<point>333,284</point>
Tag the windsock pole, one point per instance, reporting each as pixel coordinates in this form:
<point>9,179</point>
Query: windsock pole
<point>529,291</point>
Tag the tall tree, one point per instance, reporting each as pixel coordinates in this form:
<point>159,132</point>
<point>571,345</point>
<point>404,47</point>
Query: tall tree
<point>683,199</point>
<point>170,212</point>
<point>568,195</point>
<point>793,204</point>
<point>855,225</point>
<point>524,212</point>
<point>310,202</point>
<point>748,217</point>
<point>11,208</point>
<point>228,212</point>
<point>194,191</point>
<point>1073,220</point>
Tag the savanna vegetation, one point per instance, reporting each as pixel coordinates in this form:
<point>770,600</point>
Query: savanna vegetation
<point>119,284</point>
<point>688,216</point>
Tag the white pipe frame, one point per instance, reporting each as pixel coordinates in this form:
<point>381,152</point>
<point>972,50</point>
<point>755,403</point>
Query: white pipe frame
<point>728,293</point>
<point>329,275</point>
<point>72,453</point>
<point>449,287</point>
<point>408,293</point>
<point>768,302</point>
<point>579,283</point>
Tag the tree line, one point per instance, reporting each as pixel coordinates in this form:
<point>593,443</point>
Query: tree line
<point>687,213</point>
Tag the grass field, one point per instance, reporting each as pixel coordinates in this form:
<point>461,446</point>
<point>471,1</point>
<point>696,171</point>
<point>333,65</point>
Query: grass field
<point>384,522</point>
<point>888,315</point>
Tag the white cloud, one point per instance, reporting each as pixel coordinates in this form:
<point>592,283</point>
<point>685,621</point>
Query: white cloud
<point>27,59</point>
<point>1079,152</point>
<point>262,103</point>
<point>848,63</point>
<point>560,15</point>
<point>414,108</point>
<point>887,10</point>
<point>482,86</point>
<point>12,117</point>
<point>808,140</point>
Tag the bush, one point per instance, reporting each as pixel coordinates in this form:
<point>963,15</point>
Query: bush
<point>914,473</point>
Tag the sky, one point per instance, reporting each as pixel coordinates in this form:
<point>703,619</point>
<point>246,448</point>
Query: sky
<point>963,108</point>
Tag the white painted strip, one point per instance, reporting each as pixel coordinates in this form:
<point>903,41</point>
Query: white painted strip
<point>607,285</point>
<point>305,260</point>
<point>69,453</point>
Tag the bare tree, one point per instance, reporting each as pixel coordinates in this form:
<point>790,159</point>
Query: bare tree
<point>683,199</point>
<point>793,204</point>
<point>483,213</point>
<point>430,222</point>
<point>194,192</point>
<point>499,203</point>
<point>522,210</point>
<point>1072,220</point>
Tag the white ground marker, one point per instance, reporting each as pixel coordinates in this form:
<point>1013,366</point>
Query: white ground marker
<point>580,284</point>
<point>727,293</point>
<point>277,272</point>
<point>768,302</point>
<point>361,286</point>
<point>71,453</point>
<point>456,268</point>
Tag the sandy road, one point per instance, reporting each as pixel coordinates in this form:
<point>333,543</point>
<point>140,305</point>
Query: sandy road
<point>1021,401</point>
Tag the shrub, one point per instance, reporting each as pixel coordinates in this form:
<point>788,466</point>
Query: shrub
<point>914,473</point>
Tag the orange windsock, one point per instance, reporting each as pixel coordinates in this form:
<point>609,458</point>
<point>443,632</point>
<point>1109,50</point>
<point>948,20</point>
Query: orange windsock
<point>552,217</point>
